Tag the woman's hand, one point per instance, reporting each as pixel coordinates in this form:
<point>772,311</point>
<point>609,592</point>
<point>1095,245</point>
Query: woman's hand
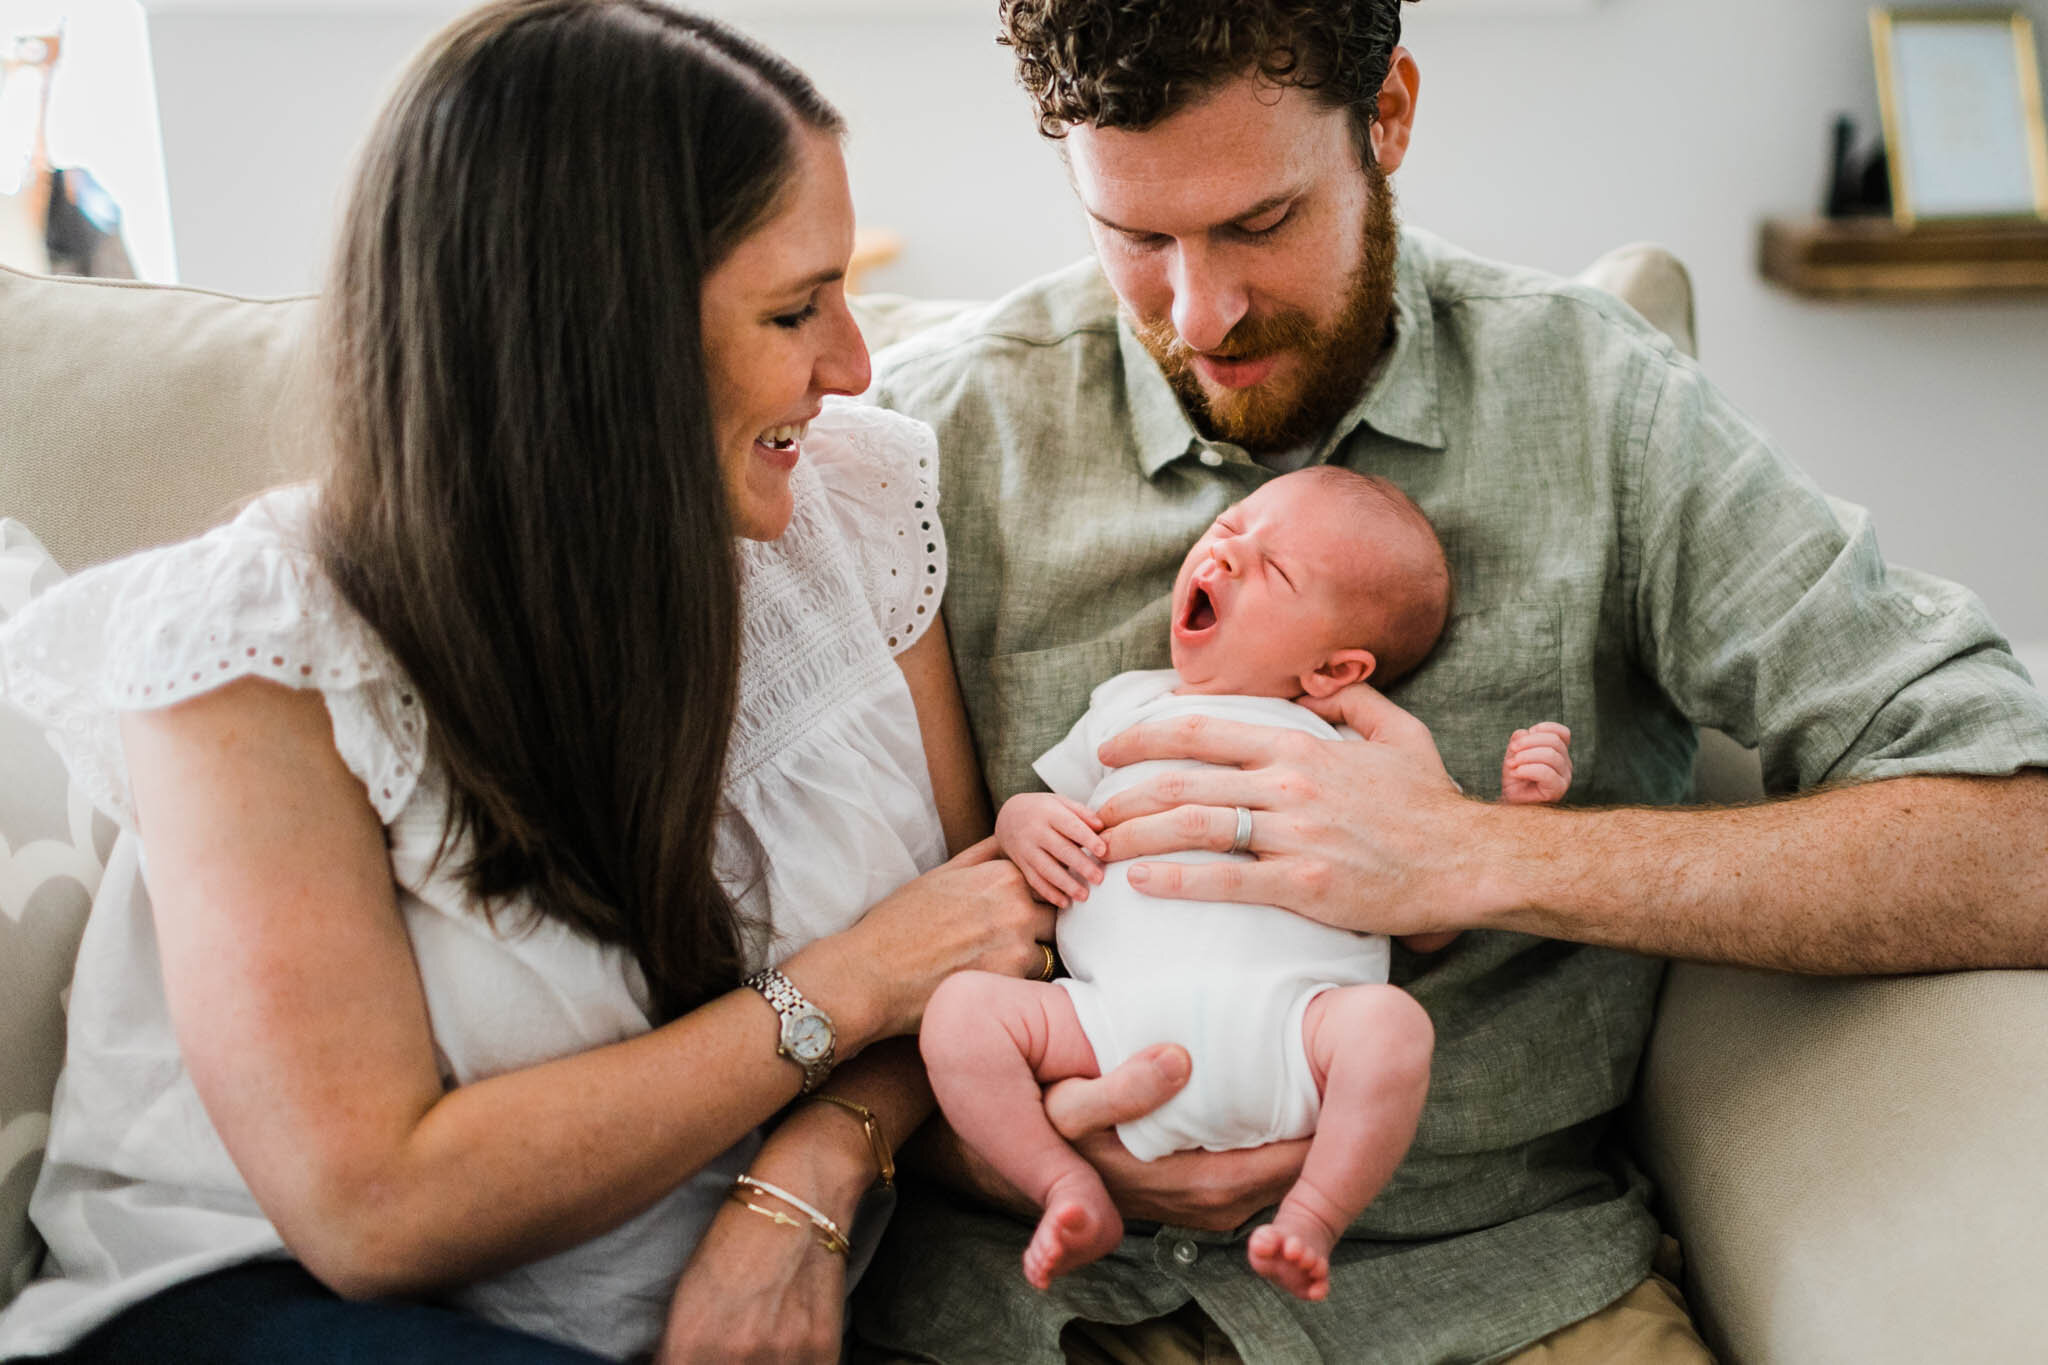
<point>973,912</point>
<point>756,1291</point>
<point>1370,836</point>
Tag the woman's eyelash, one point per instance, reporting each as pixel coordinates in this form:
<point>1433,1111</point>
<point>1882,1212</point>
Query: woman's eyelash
<point>792,321</point>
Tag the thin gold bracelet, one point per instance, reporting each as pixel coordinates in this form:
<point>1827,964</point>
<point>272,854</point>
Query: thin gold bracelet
<point>827,1232</point>
<point>884,1161</point>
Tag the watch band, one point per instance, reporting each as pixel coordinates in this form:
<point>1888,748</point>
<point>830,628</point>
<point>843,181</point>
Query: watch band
<point>807,1034</point>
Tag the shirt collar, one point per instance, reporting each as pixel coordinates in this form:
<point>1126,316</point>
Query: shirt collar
<point>1400,400</point>
<point>1160,429</point>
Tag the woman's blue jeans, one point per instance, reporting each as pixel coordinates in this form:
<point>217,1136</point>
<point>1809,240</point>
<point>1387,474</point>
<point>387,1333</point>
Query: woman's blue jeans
<point>276,1313</point>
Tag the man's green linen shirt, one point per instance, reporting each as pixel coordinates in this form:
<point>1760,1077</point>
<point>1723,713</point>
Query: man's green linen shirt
<point>1631,557</point>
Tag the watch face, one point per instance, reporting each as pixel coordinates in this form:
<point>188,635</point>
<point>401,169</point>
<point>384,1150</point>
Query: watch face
<point>810,1037</point>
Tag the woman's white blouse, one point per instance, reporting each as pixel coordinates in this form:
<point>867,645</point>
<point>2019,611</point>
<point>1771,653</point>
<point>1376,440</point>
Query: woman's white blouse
<point>827,808</point>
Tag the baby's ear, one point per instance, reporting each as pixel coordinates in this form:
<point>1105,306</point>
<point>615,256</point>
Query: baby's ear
<point>1339,671</point>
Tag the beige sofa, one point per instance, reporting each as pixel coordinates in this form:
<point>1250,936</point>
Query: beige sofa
<point>1857,1168</point>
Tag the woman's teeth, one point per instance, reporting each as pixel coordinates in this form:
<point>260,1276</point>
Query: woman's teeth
<point>783,438</point>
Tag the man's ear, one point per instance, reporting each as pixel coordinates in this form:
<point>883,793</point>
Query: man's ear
<point>1339,671</point>
<point>1394,120</point>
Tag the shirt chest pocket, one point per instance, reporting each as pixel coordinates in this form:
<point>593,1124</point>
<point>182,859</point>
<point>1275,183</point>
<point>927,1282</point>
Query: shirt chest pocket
<point>1496,670</point>
<point>1028,704</point>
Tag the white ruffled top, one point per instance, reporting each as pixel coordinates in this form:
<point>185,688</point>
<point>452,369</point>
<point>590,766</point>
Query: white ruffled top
<point>827,808</point>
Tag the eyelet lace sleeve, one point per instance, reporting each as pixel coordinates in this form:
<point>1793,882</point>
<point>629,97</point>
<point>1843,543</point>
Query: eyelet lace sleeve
<point>245,600</point>
<point>881,470</point>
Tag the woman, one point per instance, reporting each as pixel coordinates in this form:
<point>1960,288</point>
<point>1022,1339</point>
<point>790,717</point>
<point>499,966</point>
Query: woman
<point>472,785</point>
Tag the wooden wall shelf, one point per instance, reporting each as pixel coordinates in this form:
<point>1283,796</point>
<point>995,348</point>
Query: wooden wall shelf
<point>1873,258</point>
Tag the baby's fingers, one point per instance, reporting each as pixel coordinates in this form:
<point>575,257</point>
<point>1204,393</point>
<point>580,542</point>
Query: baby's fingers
<point>1540,751</point>
<point>1088,817</point>
<point>1041,887</point>
<point>1079,847</point>
<point>1047,865</point>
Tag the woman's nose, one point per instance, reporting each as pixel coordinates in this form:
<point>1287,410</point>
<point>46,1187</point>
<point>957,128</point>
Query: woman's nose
<point>843,366</point>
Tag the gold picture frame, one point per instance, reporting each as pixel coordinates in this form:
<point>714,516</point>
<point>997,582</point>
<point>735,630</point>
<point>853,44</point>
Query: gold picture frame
<point>1960,92</point>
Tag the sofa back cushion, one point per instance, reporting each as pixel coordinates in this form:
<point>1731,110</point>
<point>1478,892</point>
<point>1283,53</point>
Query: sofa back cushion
<point>134,415</point>
<point>52,849</point>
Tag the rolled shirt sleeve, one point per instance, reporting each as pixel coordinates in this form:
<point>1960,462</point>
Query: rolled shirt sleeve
<point>1765,608</point>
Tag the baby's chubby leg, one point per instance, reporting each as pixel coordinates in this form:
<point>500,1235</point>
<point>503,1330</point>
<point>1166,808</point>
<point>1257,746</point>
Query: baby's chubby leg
<point>989,1042</point>
<point>1369,1047</point>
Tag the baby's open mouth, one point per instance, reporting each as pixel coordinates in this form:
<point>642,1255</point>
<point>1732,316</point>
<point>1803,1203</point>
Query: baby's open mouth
<point>1201,613</point>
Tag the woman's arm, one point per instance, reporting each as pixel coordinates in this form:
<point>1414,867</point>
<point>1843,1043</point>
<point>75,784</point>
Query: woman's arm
<point>299,1010</point>
<point>756,1290</point>
<point>948,743</point>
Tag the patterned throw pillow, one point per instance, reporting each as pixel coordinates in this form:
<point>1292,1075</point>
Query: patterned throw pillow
<point>53,846</point>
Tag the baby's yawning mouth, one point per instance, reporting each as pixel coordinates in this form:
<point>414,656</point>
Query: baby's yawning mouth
<point>1201,611</point>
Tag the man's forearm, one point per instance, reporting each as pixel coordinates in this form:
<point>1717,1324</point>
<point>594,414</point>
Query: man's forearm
<point>1910,874</point>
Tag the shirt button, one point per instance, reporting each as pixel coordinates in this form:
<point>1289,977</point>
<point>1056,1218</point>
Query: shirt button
<point>1186,1252</point>
<point>1924,605</point>
<point>1211,458</point>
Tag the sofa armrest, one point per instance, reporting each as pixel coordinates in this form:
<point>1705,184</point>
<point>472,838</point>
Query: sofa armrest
<point>1855,1167</point>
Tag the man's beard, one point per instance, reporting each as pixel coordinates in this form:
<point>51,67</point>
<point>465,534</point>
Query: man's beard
<point>1336,360</point>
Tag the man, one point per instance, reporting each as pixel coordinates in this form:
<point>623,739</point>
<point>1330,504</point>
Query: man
<point>1630,556</point>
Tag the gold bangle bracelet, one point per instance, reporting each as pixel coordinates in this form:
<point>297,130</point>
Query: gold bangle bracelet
<point>885,1162</point>
<point>824,1229</point>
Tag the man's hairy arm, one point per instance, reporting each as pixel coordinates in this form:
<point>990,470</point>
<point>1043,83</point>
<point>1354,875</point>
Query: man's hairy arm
<point>1906,874</point>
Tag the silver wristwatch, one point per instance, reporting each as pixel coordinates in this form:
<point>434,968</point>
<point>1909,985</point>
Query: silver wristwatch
<point>807,1035</point>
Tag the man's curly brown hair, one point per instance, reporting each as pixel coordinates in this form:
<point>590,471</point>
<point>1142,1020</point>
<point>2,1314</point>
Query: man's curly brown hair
<point>1131,63</point>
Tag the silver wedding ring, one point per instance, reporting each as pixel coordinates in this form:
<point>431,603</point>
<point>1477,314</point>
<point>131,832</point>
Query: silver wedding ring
<point>1243,842</point>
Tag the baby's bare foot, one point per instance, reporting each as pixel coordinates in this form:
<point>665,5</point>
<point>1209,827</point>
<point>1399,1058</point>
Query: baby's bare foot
<point>1079,1225</point>
<point>1295,1258</point>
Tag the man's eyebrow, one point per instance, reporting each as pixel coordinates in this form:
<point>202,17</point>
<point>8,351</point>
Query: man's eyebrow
<point>1258,210</point>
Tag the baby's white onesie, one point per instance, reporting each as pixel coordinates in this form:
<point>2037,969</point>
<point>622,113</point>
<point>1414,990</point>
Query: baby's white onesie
<point>1228,982</point>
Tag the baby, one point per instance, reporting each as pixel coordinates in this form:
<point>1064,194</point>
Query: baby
<point>1318,580</point>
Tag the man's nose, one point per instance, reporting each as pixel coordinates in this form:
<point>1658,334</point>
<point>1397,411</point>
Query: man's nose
<point>1208,298</point>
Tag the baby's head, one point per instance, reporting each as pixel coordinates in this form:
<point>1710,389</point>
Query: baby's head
<point>1319,579</point>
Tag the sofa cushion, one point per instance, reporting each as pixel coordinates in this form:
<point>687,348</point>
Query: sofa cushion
<point>52,849</point>
<point>194,406</point>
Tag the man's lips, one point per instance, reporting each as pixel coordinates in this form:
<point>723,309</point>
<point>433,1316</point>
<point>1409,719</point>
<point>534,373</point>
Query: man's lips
<point>1235,373</point>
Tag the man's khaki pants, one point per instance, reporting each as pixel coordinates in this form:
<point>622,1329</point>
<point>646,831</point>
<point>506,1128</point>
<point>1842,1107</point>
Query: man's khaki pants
<point>1646,1326</point>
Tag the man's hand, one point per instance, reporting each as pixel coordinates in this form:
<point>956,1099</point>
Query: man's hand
<point>1217,1191</point>
<point>1370,836</point>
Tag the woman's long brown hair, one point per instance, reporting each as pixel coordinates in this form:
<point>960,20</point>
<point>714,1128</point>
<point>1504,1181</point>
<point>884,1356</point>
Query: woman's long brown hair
<point>525,500</point>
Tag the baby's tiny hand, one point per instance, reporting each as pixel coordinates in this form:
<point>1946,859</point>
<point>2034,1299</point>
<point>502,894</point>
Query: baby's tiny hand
<point>1538,766</point>
<point>1055,843</point>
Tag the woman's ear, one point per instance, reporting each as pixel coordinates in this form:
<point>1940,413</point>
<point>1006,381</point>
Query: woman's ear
<point>1339,671</point>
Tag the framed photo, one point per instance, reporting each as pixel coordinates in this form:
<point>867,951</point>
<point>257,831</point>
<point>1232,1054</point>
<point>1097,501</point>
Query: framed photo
<point>1960,91</point>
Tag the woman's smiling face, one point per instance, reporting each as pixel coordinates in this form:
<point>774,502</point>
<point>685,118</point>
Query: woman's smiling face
<point>778,337</point>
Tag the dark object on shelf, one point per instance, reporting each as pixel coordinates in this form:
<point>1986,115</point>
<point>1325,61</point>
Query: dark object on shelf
<point>1875,258</point>
<point>84,228</point>
<point>1859,183</point>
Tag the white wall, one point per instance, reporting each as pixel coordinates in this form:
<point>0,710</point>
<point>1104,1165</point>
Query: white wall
<point>1544,140</point>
